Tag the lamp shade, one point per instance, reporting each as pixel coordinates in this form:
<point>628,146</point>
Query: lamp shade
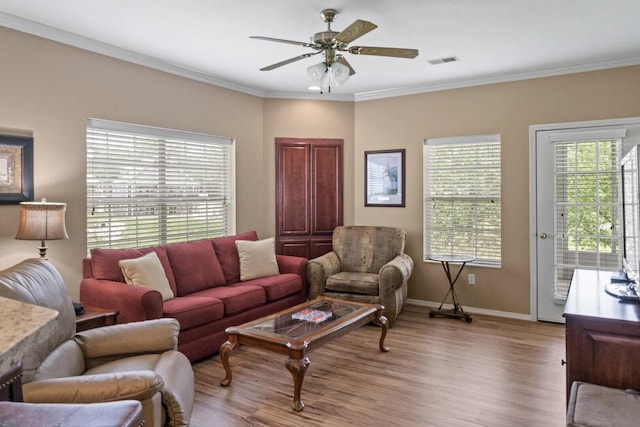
<point>42,221</point>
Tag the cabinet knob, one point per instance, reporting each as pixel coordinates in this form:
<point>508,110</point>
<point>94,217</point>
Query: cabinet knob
<point>562,362</point>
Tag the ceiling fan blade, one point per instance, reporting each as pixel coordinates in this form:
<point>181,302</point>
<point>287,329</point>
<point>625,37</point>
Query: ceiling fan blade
<point>288,61</point>
<point>355,30</point>
<point>384,51</point>
<point>341,59</point>
<point>271,39</point>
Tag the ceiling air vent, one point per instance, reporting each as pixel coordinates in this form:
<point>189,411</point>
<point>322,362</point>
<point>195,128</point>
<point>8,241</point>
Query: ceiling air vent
<point>443,60</point>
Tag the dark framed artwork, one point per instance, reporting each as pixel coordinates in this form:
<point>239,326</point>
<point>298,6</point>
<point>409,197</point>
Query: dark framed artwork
<point>384,178</point>
<point>16,169</point>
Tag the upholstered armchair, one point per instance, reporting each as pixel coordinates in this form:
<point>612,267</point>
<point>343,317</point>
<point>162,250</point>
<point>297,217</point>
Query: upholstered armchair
<point>367,264</point>
<point>134,361</point>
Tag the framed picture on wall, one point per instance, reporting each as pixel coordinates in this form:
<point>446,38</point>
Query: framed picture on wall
<point>384,178</point>
<point>16,169</point>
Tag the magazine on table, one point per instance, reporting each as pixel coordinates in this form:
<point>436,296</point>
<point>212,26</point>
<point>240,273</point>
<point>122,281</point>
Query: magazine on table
<point>312,315</point>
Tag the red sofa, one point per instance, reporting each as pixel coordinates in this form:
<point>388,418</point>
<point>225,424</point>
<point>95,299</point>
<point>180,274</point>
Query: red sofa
<point>204,276</point>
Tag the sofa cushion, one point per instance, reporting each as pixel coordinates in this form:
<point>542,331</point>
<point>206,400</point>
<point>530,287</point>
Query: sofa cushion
<point>278,286</point>
<point>193,310</point>
<point>105,263</point>
<point>238,298</point>
<point>257,258</point>
<point>195,266</point>
<point>355,283</point>
<point>147,271</point>
<point>227,253</point>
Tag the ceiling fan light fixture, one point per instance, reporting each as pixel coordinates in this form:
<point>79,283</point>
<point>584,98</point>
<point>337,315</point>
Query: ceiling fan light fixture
<point>340,72</point>
<point>316,71</point>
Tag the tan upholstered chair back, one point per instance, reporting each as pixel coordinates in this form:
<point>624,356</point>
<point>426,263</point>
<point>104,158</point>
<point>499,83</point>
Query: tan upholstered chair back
<point>36,281</point>
<point>365,249</point>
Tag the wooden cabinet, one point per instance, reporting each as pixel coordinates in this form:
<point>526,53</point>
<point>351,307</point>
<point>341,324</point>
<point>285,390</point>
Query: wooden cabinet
<point>602,334</point>
<point>308,195</point>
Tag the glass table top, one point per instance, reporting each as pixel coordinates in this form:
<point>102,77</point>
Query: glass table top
<point>306,319</point>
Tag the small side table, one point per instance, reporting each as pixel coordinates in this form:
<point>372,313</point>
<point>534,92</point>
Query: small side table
<point>95,317</point>
<point>457,312</point>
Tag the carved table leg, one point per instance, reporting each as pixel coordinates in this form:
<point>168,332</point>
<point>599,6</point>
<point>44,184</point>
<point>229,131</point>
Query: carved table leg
<point>384,323</point>
<point>225,349</point>
<point>297,367</point>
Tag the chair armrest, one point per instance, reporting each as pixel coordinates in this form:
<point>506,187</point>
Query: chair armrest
<point>151,336</point>
<point>318,270</point>
<point>296,265</point>
<point>396,272</point>
<point>133,303</point>
<point>135,385</point>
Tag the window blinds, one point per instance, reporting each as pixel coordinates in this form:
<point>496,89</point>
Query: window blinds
<point>462,197</point>
<point>148,186</point>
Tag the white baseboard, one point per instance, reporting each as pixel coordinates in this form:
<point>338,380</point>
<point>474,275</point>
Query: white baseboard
<point>472,310</point>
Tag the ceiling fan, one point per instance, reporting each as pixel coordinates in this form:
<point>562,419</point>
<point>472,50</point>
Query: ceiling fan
<point>332,43</point>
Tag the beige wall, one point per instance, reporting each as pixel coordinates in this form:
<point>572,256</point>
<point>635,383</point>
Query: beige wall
<point>307,119</point>
<point>507,109</point>
<point>50,89</point>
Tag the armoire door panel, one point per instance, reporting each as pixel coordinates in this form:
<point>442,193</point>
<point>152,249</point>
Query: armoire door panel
<point>326,190</point>
<point>319,248</point>
<point>293,190</point>
<point>300,249</point>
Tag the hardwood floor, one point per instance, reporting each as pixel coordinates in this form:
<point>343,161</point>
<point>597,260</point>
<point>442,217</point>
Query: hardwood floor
<point>439,372</point>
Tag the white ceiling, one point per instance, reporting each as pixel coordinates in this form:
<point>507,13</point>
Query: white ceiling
<point>208,40</point>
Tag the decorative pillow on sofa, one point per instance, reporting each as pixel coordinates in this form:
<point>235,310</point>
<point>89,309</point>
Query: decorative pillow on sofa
<point>257,258</point>
<point>227,253</point>
<point>147,271</point>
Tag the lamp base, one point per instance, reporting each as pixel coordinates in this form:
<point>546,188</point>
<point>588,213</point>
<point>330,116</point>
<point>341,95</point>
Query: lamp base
<point>43,250</point>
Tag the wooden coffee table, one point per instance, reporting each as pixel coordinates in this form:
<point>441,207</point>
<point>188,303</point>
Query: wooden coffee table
<point>299,330</point>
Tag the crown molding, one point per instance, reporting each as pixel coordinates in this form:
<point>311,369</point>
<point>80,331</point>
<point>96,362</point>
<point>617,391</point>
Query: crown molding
<point>75,40</point>
<point>626,61</point>
<point>72,39</point>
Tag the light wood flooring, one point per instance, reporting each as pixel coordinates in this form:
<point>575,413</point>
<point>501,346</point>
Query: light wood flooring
<point>439,372</point>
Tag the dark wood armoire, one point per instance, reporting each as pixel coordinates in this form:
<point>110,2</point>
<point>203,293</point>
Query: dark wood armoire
<point>308,195</point>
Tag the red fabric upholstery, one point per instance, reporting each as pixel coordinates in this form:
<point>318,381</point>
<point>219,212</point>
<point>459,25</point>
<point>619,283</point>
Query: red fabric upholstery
<point>276,287</point>
<point>205,277</point>
<point>192,311</point>
<point>105,263</point>
<point>227,253</point>
<point>238,298</point>
<point>195,266</point>
<point>133,303</point>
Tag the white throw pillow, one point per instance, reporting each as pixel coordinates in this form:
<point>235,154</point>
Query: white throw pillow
<point>257,258</point>
<point>147,271</point>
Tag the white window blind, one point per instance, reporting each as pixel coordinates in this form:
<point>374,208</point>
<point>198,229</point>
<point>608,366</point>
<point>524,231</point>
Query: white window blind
<point>148,186</point>
<point>462,198</point>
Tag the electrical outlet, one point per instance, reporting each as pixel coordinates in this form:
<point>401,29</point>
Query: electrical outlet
<point>471,279</point>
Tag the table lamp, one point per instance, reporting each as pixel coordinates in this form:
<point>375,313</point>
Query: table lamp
<point>42,221</point>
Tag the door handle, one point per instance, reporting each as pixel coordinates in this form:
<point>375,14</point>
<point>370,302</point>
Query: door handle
<point>542,235</point>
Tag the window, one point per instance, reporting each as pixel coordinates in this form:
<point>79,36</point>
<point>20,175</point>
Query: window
<point>149,186</point>
<point>587,232</point>
<point>462,205</point>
